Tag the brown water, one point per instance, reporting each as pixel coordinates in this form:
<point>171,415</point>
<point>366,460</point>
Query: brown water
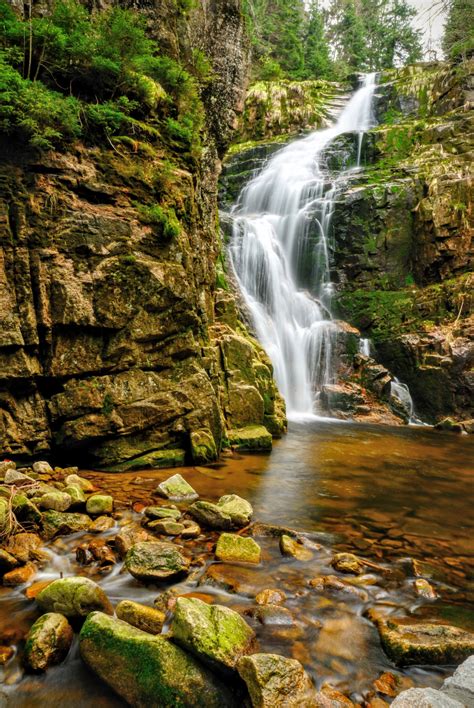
<point>388,494</point>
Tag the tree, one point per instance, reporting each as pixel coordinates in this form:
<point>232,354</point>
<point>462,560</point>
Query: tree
<point>348,36</point>
<point>391,39</point>
<point>458,39</point>
<point>316,51</point>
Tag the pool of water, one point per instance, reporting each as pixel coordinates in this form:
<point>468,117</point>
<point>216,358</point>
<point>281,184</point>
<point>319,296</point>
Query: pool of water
<point>390,495</point>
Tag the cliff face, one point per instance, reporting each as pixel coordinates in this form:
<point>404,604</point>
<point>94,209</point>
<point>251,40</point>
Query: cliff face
<point>109,345</point>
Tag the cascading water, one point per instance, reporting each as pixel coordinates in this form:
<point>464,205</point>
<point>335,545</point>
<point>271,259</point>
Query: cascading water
<point>272,244</point>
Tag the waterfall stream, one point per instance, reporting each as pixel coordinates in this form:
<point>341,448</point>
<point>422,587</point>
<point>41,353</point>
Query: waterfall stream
<point>280,251</point>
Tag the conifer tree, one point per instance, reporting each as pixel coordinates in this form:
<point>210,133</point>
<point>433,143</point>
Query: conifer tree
<point>458,40</point>
<point>316,51</point>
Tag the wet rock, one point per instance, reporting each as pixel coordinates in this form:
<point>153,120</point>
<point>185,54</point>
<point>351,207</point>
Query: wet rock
<point>25,547</point>
<point>203,446</point>
<point>7,561</point>
<point>148,671</point>
<point>424,589</point>
<point>6,465</point>
<point>13,476</point>
<point>5,518</point>
<point>100,504</point>
<point>6,654</point>
<point>231,547</point>
<point>274,680</point>
<point>191,529</point>
<point>77,481</point>
<point>425,698</point>
<point>216,634</point>
<point>347,563</point>
<point>290,547</point>
<point>386,684</point>
<point>56,501</point>
<point>48,642</point>
<point>238,579</point>
<point>56,523</point>
<point>167,527</point>
<point>101,524</point>
<point>270,614</point>
<point>259,529</point>
<point>161,512</point>
<point>153,560</point>
<point>329,697</point>
<point>148,619</point>
<point>252,438</point>
<point>76,493</point>
<point>25,510</point>
<point>333,585</point>
<point>74,597</point>
<point>231,511</point>
<point>449,425</point>
<point>42,467</point>
<point>34,589</point>
<point>20,576</point>
<point>177,489</point>
<point>410,642</point>
<point>101,552</point>
<point>270,596</point>
<point>128,536</point>
<point>167,600</point>
<point>461,684</point>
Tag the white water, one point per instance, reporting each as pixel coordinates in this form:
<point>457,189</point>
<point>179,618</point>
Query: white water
<point>275,223</point>
<point>402,392</point>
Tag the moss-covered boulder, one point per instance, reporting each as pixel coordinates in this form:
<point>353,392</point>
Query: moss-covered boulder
<point>291,547</point>
<point>148,671</point>
<point>74,597</point>
<point>75,480</point>
<point>166,527</point>
<point>152,561</point>
<point>216,634</point>
<point>25,510</point>
<point>57,523</point>
<point>78,498</point>
<point>162,512</point>
<point>100,504</point>
<point>56,501</point>
<point>251,438</point>
<point>231,547</point>
<point>274,680</point>
<point>143,617</point>
<point>231,511</point>
<point>48,642</point>
<point>177,489</point>
<point>203,446</point>
<point>408,641</point>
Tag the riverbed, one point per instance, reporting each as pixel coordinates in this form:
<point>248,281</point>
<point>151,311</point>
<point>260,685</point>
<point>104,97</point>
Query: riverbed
<point>390,495</point>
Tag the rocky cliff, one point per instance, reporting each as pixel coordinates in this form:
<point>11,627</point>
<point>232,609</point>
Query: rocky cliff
<point>109,342</point>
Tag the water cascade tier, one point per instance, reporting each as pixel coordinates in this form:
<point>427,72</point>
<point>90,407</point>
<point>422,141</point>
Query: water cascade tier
<point>280,251</point>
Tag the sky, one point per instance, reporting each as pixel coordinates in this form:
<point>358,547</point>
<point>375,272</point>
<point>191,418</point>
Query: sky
<point>431,21</point>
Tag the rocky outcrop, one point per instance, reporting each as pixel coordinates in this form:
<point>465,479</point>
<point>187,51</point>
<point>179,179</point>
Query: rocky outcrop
<point>109,345</point>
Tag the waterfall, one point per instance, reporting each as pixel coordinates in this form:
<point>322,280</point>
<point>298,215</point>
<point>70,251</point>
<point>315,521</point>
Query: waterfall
<point>280,251</point>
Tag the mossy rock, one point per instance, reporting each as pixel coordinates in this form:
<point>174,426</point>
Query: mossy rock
<point>177,489</point>
<point>100,504</point>
<point>231,511</point>
<point>152,460</point>
<point>148,619</point>
<point>74,597</point>
<point>56,501</point>
<point>252,438</point>
<point>161,512</point>
<point>76,493</point>
<point>148,671</point>
<point>25,510</point>
<point>203,446</point>
<point>217,635</point>
<point>274,680</point>
<point>231,547</point>
<point>151,561</point>
<point>56,523</point>
<point>48,642</point>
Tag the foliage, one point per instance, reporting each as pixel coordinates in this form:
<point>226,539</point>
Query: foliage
<point>458,39</point>
<point>317,63</point>
<point>163,218</point>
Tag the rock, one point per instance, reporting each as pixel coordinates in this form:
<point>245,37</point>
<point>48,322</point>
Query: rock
<point>274,680</point>
<point>468,426</point>
<point>148,619</point>
<point>154,560</point>
<point>6,465</point>
<point>386,684</point>
<point>100,504</point>
<point>48,642</point>
<point>7,561</point>
<point>231,511</point>
<point>34,589</point>
<point>460,685</point>
<point>148,671</point>
<point>56,523</point>
<point>20,576</point>
<point>449,425</point>
<point>128,536</point>
<point>25,510</point>
<point>231,547</point>
<point>231,578</point>
<point>425,698</point>
<point>177,489</point>
<point>74,597</point>
<point>56,501</point>
<point>347,563</point>
<point>270,614</point>
<point>6,653</point>
<point>13,476</point>
<point>203,446</point>
<point>76,493</point>
<point>191,529</point>
<point>101,524</point>
<point>270,596</point>
<point>42,467</point>
<point>167,527</point>
<point>81,482</point>
<point>424,589</point>
<point>162,512</point>
<point>25,547</point>
<point>410,642</point>
<point>217,635</point>
<point>101,552</point>
<point>5,519</point>
<point>251,438</point>
<point>332,584</point>
<point>290,547</point>
<point>329,697</point>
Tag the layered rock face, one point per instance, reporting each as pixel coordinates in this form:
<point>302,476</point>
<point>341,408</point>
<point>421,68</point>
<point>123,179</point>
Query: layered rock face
<point>108,341</point>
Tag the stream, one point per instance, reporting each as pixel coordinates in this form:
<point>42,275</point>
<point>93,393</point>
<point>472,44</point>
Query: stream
<point>330,480</point>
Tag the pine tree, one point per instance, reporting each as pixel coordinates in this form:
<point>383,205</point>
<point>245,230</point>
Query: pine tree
<point>458,40</point>
<point>316,51</point>
<point>348,37</point>
<point>391,39</point>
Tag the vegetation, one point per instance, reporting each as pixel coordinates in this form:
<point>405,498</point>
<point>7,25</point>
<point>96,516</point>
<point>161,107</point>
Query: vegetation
<point>75,74</point>
<point>458,40</point>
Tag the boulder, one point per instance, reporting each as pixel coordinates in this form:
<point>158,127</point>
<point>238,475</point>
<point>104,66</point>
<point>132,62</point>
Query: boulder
<point>6,465</point>
<point>100,504</point>
<point>461,684</point>
<point>203,446</point>
<point>231,547</point>
<point>167,527</point>
<point>48,642</point>
<point>42,467</point>
<point>25,510</point>
<point>74,597</point>
<point>150,561</point>
<point>252,438</point>
<point>25,547</point>
<point>7,561</point>
<point>274,680</point>
<point>56,501</point>
<point>231,511</point>
<point>425,698</point>
<point>20,576</point>
<point>56,523</point>
<point>162,512</point>
<point>76,481</point>
<point>148,619</point>
<point>13,476</point>
<point>408,641</point>
<point>128,536</point>
<point>191,529</point>
<point>148,671</point>
<point>290,547</point>
<point>217,635</point>
<point>101,524</point>
<point>76,493</point>
<point>177,489</point>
